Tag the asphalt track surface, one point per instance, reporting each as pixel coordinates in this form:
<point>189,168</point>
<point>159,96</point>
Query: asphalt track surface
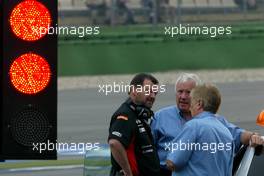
<point>84,115</point>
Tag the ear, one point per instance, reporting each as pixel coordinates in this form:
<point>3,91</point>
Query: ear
<point>133,91</point>
<point>200,104</point>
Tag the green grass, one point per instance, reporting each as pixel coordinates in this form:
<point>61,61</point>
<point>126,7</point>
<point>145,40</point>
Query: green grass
<point>83,59</point>
<point>106,30</point>
<point>26,164</point>
<point>97,162</point>
<point>44,163</point>
<point>150,28</point>
<point>132,49</point>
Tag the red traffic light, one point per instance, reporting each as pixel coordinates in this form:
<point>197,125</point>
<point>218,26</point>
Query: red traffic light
<point>30,73</point>
<point>30,20</point>
<point>28,78</point>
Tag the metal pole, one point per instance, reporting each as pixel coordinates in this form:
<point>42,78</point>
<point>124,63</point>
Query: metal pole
<point>155,12</point>
<point>245,8</point>
<point>113,11</point>
<point>179,12</point>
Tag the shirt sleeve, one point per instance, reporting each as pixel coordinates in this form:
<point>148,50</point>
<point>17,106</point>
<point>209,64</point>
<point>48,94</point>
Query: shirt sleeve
<point>122,129</point>
<point>178,154</point>
<point>234,130</point>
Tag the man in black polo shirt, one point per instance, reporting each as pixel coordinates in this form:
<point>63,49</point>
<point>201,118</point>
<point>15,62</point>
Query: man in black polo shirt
<point>130,139</point>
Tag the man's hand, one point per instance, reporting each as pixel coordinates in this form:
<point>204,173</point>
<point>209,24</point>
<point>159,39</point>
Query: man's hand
<point>251,139</point>
<point>123,173</point>
<point>170,165</point>
<point>119,153</point>
<point>256,140</point>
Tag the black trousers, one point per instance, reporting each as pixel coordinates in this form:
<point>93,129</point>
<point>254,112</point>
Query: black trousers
<point>165,172</point>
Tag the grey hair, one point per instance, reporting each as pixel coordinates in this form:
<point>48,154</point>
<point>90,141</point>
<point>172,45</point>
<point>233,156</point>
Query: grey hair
<point>184,77</point>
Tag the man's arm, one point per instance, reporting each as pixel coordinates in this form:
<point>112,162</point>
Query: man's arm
<point>120,136</point>
<point>253,139</point>
<point>119,153</point>
<point>241,136</point>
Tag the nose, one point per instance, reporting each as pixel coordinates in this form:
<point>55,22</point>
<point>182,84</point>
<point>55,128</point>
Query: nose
<point>152,94</point>
<point>184,95</point>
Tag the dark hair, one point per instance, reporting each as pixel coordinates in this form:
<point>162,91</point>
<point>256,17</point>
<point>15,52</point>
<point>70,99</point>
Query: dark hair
<point>141,77</point>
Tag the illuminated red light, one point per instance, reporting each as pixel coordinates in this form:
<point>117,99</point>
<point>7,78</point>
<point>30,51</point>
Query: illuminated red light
<point>30,73</point>
<point>30,20</point>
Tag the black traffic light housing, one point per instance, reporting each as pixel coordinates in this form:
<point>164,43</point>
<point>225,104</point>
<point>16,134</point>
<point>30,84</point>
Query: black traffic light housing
<point>27,121</point>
